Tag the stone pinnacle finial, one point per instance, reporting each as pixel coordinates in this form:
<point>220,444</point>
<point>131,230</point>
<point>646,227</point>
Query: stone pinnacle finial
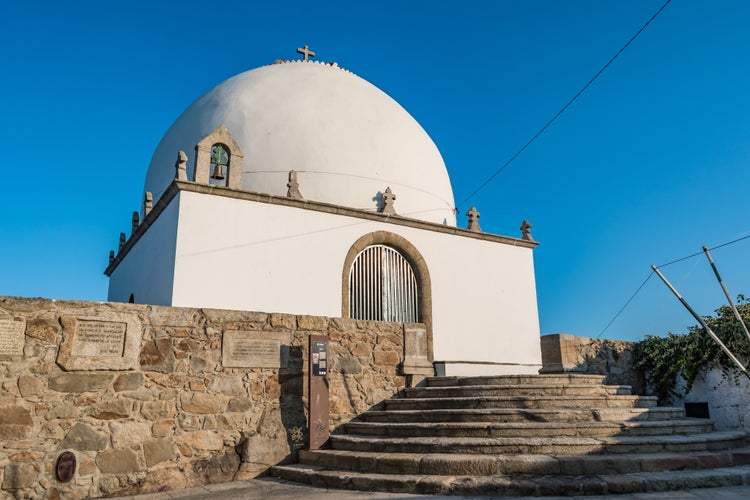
<point>388,199</point>
<point>111,256</point>
<point>305,51</point>
<point>181,166</point>
<point>473,216</point>
<point>135,223</point>
<point>122,242</point>
<point>293,185</point>
<point>148,203</point>
<point>526,231</point>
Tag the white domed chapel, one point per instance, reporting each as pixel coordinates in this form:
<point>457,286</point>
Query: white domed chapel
<point>298,187</point>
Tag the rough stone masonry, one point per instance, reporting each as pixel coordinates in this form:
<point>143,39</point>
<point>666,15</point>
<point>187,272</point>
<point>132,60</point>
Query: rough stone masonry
<point>153,398</point>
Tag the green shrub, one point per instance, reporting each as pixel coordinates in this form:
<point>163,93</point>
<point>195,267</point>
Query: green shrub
<point>693,353</point>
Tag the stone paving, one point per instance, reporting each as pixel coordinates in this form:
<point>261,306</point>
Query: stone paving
<point>274,488</point>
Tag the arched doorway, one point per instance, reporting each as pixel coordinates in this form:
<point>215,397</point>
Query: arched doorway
<point>383,286</point>
<point>405,286</point>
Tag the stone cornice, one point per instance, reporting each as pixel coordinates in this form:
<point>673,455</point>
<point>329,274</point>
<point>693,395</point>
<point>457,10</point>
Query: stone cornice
<point>176,186</point>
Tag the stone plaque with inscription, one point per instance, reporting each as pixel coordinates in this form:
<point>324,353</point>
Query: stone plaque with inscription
<point>105,342</point>
<point>251,349</point>
<point>99,338</point>
<point>11,338</point>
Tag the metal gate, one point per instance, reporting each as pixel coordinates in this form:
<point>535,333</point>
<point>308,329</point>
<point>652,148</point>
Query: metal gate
<point>383,287</point>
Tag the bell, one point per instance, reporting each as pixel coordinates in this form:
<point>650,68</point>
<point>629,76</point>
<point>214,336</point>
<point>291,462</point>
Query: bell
<point>218,172</point>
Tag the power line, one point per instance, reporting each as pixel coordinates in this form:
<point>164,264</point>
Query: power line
<point>626,304</point>
<point>567,105</point>
<point>736,240</point>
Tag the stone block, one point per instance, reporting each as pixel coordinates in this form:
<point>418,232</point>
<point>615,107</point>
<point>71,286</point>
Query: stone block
<point>155,410</point>
<point>342,324</point>
<point>127,434</point>
<point>348,365</point>
<point>312,323</point>
<point>388,358</point>
<point>528,464</point>
<point>202,403</point>
<point>163,428</point>
<point>284,321</point>
<point>659,463</point>
<point>392,338</point>
<point>206,361</point>
<point>17,476</point>
<point>83,437</point>
<point>110,410</point>
<point>117,461</point>
<point>218,469</point>
<point>44,327</point>
<point>560,353</point>
<point>63,411</point>
<point>157,451</point>
<point>462,465</point>
<point>128,382</point>
<point>201,440</point>
<point>240,404</point>
<point>161,480</point>
<point>29,385</point>
<point>416,352</point>
<point>15,423</point>
<point>262,450</point>
<point>157,355</point>
<point>80,382</point>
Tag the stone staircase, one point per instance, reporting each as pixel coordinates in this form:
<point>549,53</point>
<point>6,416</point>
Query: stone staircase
<point>524,435</point>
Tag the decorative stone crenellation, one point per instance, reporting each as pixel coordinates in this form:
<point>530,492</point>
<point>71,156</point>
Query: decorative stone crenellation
<point>473,216</point>
<point>526,231</point>
<point>135,222</point>
<point>121,244</point>
<point>293,185</point>
<point>148,203</point>
<point>181,166</point>
<point>388,199</point>
<point>149,398</point>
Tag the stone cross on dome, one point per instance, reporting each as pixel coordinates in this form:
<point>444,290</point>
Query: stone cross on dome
<point>306,52</point>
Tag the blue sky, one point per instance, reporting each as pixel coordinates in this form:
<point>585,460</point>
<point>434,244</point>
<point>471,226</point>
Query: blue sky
<point>648,165</point>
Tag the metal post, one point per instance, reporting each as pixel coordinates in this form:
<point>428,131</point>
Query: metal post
<point>700,320</point>
<point>726,293</point>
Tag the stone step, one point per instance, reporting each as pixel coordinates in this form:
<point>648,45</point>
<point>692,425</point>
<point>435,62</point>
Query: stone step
<point>521,485</point>
<point>517,390</point>
<point>530,429</point>
<point>534,402</point>
<point>486,465</point>
<point>549,379</point>
<point>708,441</point>
<point>526,415</point>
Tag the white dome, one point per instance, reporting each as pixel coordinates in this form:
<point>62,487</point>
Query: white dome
<point>347,140</point>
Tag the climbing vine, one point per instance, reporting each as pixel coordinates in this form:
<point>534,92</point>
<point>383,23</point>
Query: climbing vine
<point>693,353</point>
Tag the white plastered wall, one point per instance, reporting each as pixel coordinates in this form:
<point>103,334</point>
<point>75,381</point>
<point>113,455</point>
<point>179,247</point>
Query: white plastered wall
<point>147,271</point>
<point>236,254</point>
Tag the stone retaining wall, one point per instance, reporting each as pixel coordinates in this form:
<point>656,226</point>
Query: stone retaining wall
<point>565,353</point>
<point>164,412</point>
